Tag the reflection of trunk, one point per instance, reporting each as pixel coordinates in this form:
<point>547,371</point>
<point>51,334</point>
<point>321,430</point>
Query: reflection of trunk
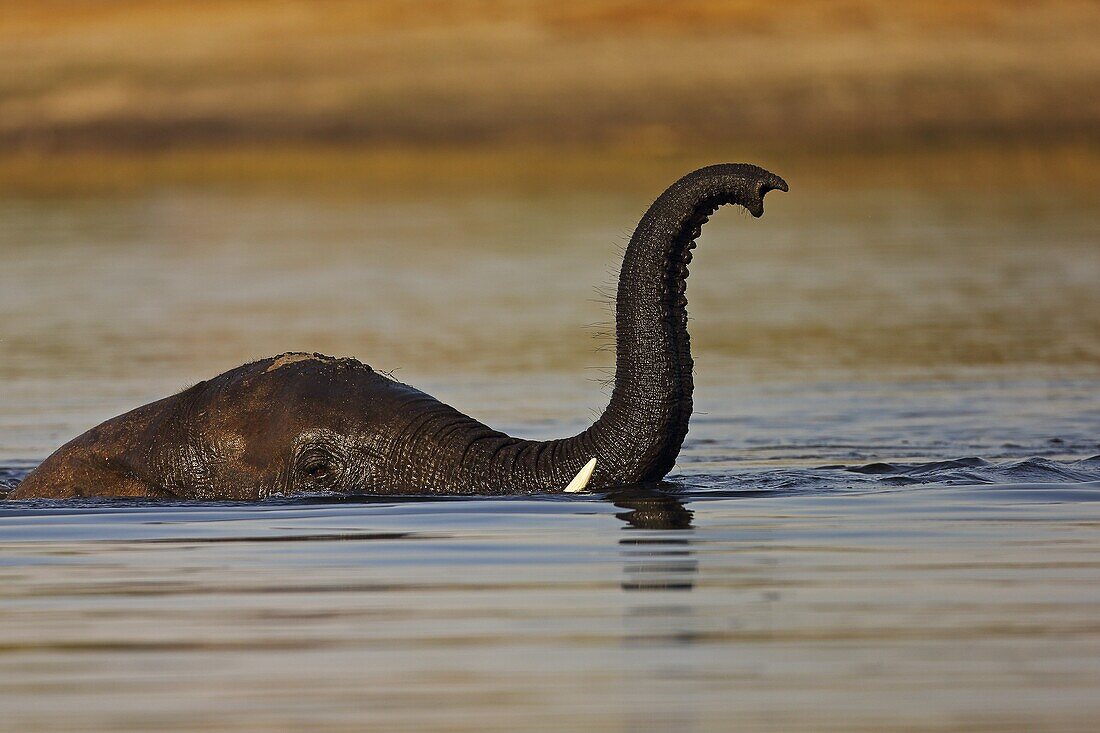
<point>662,561</point>
<point>651,510</point>
<point>640,433</point>
<point>661,617</point>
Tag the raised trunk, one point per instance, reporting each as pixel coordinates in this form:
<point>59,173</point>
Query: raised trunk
<point>640,433</point>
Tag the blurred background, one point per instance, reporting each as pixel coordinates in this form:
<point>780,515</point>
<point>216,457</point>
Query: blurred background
<point>141,79</point>
<point>444,188</point>
<point>648,76</point>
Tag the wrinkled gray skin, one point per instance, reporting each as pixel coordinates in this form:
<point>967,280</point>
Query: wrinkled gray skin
<point>307,423</point>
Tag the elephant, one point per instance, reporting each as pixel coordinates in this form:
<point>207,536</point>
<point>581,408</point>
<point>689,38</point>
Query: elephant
<point>303,423</point>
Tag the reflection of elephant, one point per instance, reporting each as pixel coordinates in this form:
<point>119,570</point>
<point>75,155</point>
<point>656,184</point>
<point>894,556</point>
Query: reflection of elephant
<point>301,422</point>
<point>647,509</point>
<point>656,561</point>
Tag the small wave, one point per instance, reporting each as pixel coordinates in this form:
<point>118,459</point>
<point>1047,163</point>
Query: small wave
<point>11,473</point>
<point>974,470</point>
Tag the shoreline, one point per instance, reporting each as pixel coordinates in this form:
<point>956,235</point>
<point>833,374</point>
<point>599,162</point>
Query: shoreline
<point>1062,168</point>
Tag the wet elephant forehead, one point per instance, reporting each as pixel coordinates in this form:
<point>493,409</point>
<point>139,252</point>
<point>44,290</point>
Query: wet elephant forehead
<point>288,359</point>
<point>295,357</point>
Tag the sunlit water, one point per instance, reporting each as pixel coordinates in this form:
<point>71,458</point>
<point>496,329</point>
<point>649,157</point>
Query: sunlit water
<point>886,515</point>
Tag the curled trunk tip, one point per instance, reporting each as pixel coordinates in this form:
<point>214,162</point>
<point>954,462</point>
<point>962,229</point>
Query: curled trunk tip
<point>771,182</point>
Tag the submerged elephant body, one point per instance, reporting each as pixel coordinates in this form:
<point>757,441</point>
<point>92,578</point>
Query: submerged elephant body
<point>306,422</point>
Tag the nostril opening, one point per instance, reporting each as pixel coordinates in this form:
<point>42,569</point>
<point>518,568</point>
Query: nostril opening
<point>776,185</point>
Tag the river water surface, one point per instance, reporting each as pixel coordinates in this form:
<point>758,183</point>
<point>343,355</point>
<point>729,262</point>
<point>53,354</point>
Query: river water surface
<point>886,515</point>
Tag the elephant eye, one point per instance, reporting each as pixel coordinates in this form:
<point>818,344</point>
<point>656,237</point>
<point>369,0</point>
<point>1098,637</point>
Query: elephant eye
<point>319,468</point>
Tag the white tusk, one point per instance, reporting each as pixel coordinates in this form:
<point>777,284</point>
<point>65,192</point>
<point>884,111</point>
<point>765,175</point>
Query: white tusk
<point>581,480</point>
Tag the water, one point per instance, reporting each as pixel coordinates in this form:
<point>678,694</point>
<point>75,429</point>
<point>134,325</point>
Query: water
<point>886,516</point>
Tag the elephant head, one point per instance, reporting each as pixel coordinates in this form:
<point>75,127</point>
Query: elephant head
<point>307,423</point>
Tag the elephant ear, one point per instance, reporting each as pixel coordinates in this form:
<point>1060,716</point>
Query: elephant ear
<point>580,481</point>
